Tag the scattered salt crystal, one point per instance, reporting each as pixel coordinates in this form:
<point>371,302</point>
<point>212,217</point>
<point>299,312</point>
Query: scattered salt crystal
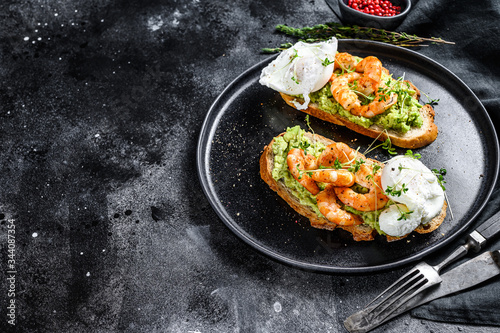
<point>277,307</point>
<point>26,38</point>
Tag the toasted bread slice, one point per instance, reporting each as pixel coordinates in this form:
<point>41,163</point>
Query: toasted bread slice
<point>414,138</point>
<point>362,232</point>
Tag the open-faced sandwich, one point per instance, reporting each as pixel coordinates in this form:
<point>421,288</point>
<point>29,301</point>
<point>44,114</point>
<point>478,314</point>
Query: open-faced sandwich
<point>335,186</point>
<point>355,92</point>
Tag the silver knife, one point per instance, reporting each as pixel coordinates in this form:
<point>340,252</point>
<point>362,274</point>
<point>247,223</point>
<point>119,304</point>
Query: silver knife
<point>469,274</point>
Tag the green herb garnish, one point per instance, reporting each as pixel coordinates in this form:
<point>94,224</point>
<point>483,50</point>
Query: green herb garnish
<point>410,153</point>
<point>391,190</point>
<point>440,176</point>
<point>323,32</point>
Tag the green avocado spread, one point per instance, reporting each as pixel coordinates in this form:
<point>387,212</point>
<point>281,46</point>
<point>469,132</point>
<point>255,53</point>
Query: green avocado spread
<point>294,138</point>
<point>400,117</point>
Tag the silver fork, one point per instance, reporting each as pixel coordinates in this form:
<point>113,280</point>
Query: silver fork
<point>421,277</point>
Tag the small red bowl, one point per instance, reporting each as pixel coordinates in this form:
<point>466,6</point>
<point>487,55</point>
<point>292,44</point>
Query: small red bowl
<point>352,16</point>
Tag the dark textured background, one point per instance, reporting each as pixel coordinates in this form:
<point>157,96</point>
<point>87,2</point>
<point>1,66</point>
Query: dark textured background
<point>101,103</point>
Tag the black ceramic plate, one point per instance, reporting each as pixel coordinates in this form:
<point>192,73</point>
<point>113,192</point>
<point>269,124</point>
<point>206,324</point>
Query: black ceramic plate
<point>246,116</point>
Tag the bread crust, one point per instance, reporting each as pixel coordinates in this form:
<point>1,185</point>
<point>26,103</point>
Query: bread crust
<point>414,138</point>
<point>359,232</point>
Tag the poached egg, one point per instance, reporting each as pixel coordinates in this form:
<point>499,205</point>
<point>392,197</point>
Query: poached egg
<point>301,69</point>
<point>416,190</point>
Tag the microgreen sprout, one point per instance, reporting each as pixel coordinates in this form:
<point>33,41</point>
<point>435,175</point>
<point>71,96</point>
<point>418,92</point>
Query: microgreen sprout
<point>303,145</point>
<point>404,215</point>
<point>355,167</point>
<point>365,98</point>
<point>308,123</point>
<point>440,176</point>
<point>327,62</point>
<point>376,168</point>
<point>391,190</point>
<point>431,101</point>
<point>410,153</point>
<point>391,86</point>
<point>299,170</point>
<point>337,164</point>
<point>387,145</point>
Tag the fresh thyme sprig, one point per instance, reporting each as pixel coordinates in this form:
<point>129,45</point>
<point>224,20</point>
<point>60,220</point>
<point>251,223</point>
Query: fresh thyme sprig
<point>322,32</point>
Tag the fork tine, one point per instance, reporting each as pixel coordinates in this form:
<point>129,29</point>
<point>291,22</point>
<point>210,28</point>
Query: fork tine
<point>414,282</point>
<point>406,285</point>
<point>414,271</point>
<point>419,279</point>
<point>386,313</point>
<point>419,282</point>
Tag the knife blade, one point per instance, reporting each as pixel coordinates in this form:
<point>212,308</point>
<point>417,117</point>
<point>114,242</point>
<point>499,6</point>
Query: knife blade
<point>469,274</point>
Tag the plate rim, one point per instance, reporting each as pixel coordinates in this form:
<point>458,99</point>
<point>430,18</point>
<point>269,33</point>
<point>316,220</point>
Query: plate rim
<point>241,234</point>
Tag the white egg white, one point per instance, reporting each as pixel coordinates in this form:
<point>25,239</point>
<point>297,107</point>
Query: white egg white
<point>393,223</point>
<point>301,69</point>
<point>423,196</point>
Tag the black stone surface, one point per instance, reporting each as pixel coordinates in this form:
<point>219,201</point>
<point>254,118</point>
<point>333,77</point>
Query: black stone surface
<point>101,104</point>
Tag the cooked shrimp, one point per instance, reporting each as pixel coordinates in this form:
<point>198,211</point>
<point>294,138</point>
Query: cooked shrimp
<point>367,86</point>
<point>335,177</point>
<point>338,151</point>
<point>328,206</point>
<point>371,67</point>
<point>373,200</point>
<point>344,61</point>
<point>310,162</point>
<point>367,79</point>
<point>296,160</point>
<point>381,103</point>
<point>342,93</point>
